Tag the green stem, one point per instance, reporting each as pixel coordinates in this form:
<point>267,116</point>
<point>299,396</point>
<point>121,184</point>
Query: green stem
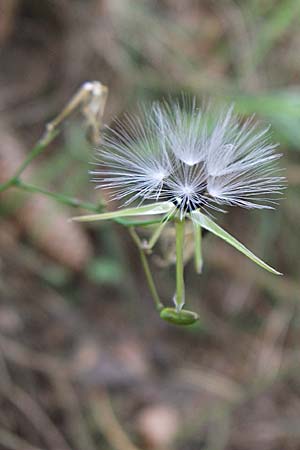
<point>66,200</point>
<point>158,304</point>
<point>198,248</point>
<point>155,236</point>
<point>39,148</point>
<point>9,183</point>
<point>179,298</point>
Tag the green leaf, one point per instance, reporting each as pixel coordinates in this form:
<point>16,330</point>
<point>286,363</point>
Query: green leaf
<point>205,222</point>
<point>148,210</point>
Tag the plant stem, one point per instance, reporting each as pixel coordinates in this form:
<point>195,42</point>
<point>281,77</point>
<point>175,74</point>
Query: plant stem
<point>37,149</point>
<point>179,298</point>
<point>70,201</point>
<point>198,248</point>
<point>158,304</point>
<point>156,234</point>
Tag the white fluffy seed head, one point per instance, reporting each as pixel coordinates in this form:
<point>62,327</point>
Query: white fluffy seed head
<point>194,158</point>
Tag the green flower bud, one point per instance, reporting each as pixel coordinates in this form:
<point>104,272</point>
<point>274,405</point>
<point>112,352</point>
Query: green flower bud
<point>183,317</point>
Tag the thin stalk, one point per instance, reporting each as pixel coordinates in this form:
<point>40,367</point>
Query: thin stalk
<point>158,304</point>
<point>9,183</point>
<point>198,248</point>
<point>66,200</point>
<point>155,236</point>
<point>37,149</point>
<point>179,298</point>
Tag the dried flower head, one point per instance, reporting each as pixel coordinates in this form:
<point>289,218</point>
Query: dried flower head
<point>190,157</point>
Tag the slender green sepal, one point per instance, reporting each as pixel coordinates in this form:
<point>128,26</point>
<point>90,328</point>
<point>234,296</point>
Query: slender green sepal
<point>208,224</point>
<point>148,210</point>
<point>179,297</point>
<point>198,248</point>
<point>183,317</point>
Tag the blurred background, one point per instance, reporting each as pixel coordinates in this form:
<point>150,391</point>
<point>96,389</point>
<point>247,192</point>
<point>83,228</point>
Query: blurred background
<point>86,363</point>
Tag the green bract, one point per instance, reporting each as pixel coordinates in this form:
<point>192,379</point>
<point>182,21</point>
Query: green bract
<point>209,225</point>
<point>197,218</point>
<point>149,210</point>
